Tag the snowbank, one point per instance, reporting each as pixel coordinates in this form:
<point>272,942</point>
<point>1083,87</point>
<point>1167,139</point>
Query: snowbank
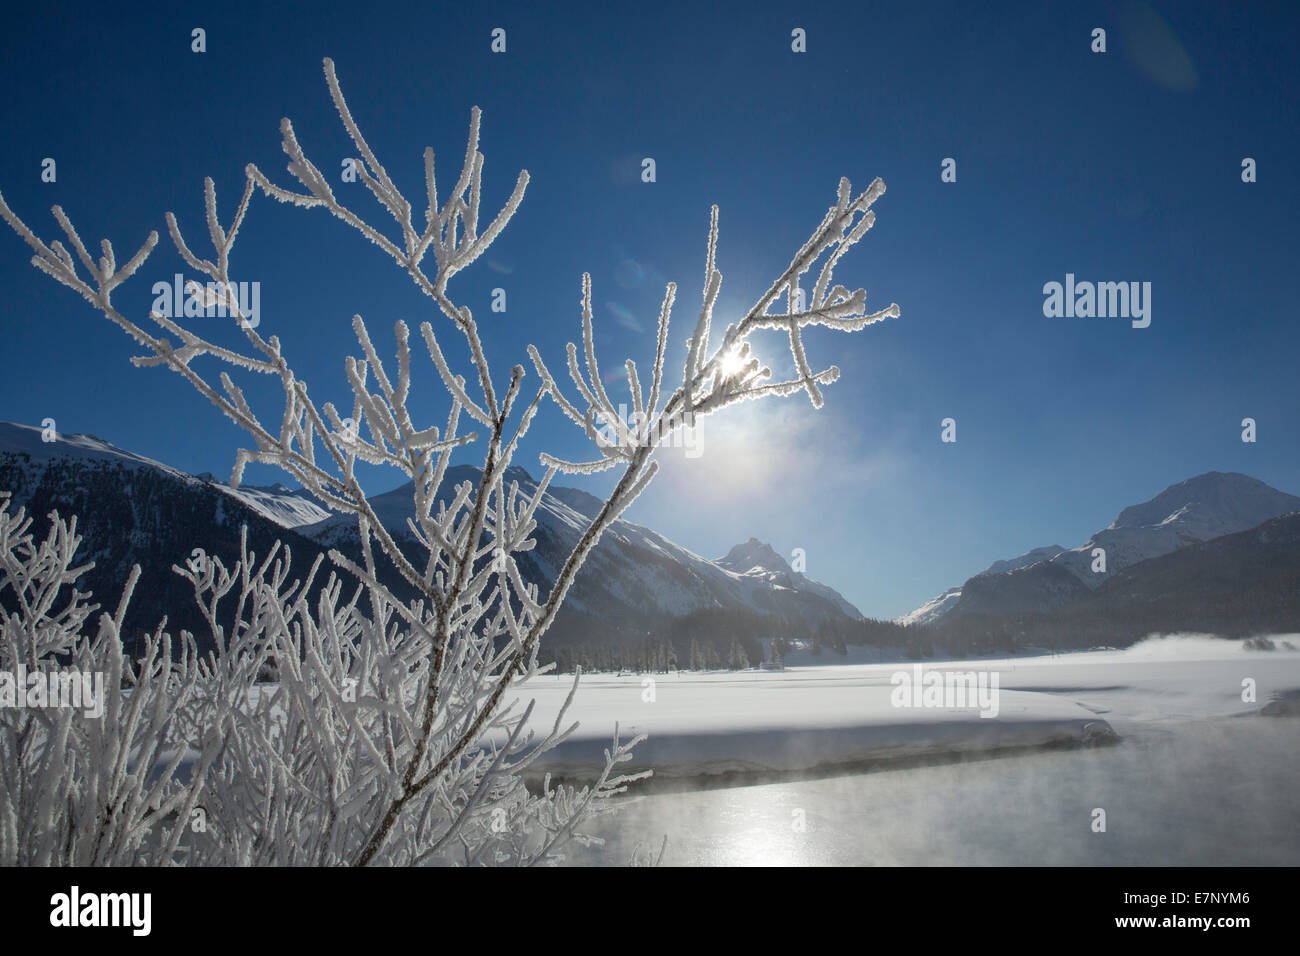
<point>796,720</point>
<point>827,716</point>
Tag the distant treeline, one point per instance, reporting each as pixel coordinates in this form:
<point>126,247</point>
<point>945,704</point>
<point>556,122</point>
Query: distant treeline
<point>715,639</point>
<point>1233,616</point>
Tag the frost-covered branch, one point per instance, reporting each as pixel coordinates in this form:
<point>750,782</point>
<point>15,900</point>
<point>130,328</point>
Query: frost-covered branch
<point>389,732</point>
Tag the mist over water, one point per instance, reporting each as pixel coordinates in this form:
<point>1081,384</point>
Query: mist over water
<point>1185,647</point>
<point>1212,792</point>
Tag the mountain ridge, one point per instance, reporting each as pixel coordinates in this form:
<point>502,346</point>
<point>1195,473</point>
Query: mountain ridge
<point>634,570</point>
<point>633,579</point>
<point>1201,508</point>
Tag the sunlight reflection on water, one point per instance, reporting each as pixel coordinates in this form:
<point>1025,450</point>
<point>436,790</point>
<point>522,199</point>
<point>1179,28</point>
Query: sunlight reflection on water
<point>1210,793</point>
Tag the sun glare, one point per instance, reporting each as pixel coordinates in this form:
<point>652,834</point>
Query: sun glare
<point>732,363</point>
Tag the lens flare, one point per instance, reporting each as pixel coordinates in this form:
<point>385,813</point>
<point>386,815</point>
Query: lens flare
<point>733,362</point>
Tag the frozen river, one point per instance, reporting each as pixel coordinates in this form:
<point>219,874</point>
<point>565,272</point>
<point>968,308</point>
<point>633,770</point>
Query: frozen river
<point>1217,792</point>
<point>1198,777</point>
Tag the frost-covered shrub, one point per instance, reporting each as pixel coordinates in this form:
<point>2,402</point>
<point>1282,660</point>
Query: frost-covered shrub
<point>90,774</point>
<point>389,734</point>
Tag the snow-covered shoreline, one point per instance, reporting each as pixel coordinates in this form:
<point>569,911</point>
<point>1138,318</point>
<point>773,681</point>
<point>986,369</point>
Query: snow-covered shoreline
<point>828,716</point>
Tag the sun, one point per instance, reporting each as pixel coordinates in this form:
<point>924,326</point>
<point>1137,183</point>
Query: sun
<point>733,362</point>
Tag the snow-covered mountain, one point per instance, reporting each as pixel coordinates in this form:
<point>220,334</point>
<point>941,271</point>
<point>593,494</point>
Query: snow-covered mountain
<point>1028,559</point>
<point>757,560</point>
<point>635,577</point>
<point>136,509</point>
<point>935,608</point>
<point>1199,509</point>
<point>287,507</point>
<point>932,610</point>
<point>27,440</point>
<point>133,510</point>
<point>284,506</point>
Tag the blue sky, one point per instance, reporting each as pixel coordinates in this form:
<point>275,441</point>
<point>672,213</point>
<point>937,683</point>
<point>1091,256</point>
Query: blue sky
<point>1123,166</point>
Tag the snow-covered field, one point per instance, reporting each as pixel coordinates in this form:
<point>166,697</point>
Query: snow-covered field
<point>1198,777</point>
<point>819,716</point>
